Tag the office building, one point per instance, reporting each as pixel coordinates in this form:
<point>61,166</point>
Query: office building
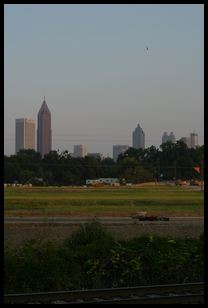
<point>80,150</point>
<point>172,137</point>
<point>44,133</point>
<point>119,149</point>
<point>167,137</point>
<point>24,134</point>
<point>194,140</point>
<point>138,138</point>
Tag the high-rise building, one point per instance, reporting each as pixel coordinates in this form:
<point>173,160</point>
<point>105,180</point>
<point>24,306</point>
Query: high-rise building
<point>194,140</point>
<point>24,134</point>
<point>167,137</point>
<point>172,137</point>
<point>44,134</point>
<point>80,150</point>
<point>138,138</point>
<point>119,149</point>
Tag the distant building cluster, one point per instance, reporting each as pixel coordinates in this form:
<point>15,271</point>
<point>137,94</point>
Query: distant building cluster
<point>167,137</point>
<point>25,137</point>
<point>138,142</point>
<point>191,142</point>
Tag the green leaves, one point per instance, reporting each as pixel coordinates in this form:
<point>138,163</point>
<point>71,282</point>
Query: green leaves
<point>135,165</point>
<point>92,258</point>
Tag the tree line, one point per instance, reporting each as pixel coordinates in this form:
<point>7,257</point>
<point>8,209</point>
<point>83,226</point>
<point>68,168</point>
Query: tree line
<point>168,162</point>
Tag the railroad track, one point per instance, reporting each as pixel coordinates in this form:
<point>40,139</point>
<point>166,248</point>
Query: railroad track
<point>189,293</point>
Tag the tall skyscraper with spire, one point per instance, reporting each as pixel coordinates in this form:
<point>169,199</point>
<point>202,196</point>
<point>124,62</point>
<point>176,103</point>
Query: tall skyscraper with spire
<point>138,138</point>
<point>44,135</point>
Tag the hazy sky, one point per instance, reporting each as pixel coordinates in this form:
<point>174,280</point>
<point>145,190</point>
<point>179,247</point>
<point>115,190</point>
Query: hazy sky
<point>100,81</point>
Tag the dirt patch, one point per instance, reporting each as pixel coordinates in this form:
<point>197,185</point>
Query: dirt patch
<point>17,233</point>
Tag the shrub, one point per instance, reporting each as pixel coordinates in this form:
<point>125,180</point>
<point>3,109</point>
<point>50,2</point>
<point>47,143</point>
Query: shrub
<point>92,258</point>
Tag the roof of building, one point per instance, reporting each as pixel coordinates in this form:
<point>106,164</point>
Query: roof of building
<point>44,107</point>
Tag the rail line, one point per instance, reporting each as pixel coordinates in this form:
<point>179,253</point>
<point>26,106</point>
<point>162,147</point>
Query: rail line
<point>189,293</point>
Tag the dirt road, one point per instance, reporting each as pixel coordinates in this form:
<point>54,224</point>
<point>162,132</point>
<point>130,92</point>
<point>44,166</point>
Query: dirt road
<point>18,229</point>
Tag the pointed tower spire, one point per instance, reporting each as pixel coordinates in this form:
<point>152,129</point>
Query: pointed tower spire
<point>44,134</point>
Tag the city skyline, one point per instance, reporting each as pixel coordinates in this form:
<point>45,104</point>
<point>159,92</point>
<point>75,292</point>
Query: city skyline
<point>98,76</point>
<point>44,131</point>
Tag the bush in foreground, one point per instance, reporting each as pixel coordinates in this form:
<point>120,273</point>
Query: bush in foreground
<point>93,258</point>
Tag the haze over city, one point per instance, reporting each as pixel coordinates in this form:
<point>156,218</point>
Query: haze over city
<point>103,69</point>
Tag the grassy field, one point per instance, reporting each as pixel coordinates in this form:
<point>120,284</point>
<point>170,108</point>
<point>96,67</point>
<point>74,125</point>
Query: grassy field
<point>121,201</point>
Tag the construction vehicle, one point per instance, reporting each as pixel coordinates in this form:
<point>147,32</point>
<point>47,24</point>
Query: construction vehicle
<point>141,216</point>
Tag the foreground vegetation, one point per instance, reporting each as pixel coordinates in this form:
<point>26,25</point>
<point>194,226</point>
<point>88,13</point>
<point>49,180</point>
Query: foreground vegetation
<point>93,258</point>
<point>121,201</point>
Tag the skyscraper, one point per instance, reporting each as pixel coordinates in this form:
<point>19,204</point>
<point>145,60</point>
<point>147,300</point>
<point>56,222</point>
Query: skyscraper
<point>172,137</point>
<point>194,140</point>
<point>80,150</point>
<point>24,134</point>
<point>44,134</point>
<point>167,137</point>
<point>138,138</point>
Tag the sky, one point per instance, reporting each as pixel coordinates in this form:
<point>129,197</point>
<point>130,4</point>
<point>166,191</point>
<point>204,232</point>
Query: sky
<point>92,65</point>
